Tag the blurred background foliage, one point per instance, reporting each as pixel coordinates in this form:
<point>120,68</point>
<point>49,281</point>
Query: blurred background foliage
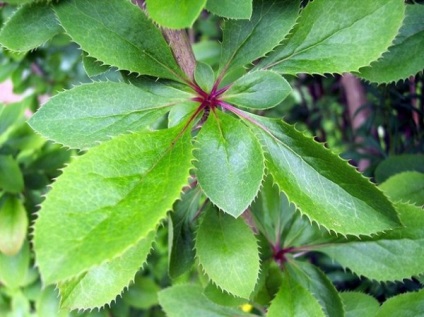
<point>380,131</point>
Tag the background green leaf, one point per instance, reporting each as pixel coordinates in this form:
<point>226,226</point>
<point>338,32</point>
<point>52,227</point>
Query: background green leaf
<point>336,37</point>
<point>204,76</point>
<point>404,305</point>
<point>230,163</point>
<point>399,163</point>
<point>114,195</point>
<point>11,178</point>
<point>406,187</point>
<point>359,304</point>
<point>241,9</point>
<point>14,268</point>
<point>228,252</point>
<point>31,26</point>
<point>119,34</point>
<point>89,114</point>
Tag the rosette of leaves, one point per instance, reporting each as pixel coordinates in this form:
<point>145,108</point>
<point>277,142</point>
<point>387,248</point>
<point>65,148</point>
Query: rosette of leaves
<point>146,138</point>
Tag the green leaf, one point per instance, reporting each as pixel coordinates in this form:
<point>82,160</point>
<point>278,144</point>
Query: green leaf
<point>404,305</point>
<point>92,66</point>
<point>228,252</point>
<point>246,40</point>
<point>88,114</point>
<point>13,225</point>
<point>204,76</point>
<point>320,184</point>
<point>359,304</point>
<point>404,58</point>
<point>180,113</point>
<point>393,256</point>
<point>258,90</point>
<point>334,37</point>
<point>230,163</point>
<point>10,115</point>
<point>293,300</point>
<point>101,284</point>
<point>318,284</point>
<point>399,163</point>
<point>48,303</point>
<point>221,297</point>
<point>143,294</point>
<point>108,200</point>
<point>13,269</point>
<point>181,235</point>
<point>11,179</point>
<point>119,34</point>
<point>188,300</point>
<point>30,26</point>
<point>175,14</point>
<point>241,9</point>
<point>406,187</point>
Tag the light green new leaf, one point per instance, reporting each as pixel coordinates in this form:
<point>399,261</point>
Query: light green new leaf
<point>258,90</point>
<point>175,14</point>
<point>11,178</point>
<point>246,40</point>
<point>230,163</point>
<point>398,253</point>
<point>13,225</point>
<point>336,37</point>
<point>47,303</point>
<point>13,269</point>
<point>405,305</point>
<point>228,252</point>
<point>359,304</point>
<point>30,26</point>
<point>204,76</point>
<point>318,284</point>
<point>406,187</point>
<point>293,300</point>
<point>109,199</point>
<point>101,284</point>
<point>119,34</point>
<point>321,185</point>
<point>404,58</point>
<point>188,300</point>
<point>240,9</point>
<point>88,114</point>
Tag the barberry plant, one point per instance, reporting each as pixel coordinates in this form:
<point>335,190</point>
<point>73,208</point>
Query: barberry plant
<point>179,141</point>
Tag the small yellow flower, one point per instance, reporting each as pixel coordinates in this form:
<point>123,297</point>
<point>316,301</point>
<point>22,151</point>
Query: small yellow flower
<point>246,307</point>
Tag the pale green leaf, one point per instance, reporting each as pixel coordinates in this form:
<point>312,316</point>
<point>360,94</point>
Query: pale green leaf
<point>188,300</point>
<point>207,52</point>
<point>101,284</point>
<point>109,199</point>
<point>406,187</point>
<point>175,14</point>
<point>10,115</point>
<point>293,300</point>
<point>404,58</point>
<point>11,178</point>
<point>399,163</point>
<point>258,90</point>
<point>336,37</point>
<point>204,76</point>
<point>88,114</point>
<point>246,40</point>
<point>404,305</point>
<point>359,304</point>
<point>180,113</point>
<point>92,66</point>
<point>228,252</point>
<point>318,284</point>
<point>13,269</point>
<point>47,304</point>
<point>30,26</point>
<point>393,256</point>
<point>320,184</point>
<point>13,225</point>
<point>119,34</point>
<point>230,163</point>
<point>220,297</point>
<point>240,9</point>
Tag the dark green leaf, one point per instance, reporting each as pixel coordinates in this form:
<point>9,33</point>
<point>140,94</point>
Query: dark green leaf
<point>228,252</point>
<point>92,66</point>
<point>119,34</point>
<point>240,9</point>
<point>112,196</point>
<point>88,114</point>
<point>143,294</point>
<point>399,163</point>
<point>258,90</point>
<point>335,37</point>
<point>230,163</point>
<point>11,179</point>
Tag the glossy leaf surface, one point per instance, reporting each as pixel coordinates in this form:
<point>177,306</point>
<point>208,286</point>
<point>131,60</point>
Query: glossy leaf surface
<point>89,114</point>
<point>336,37</point>
<point>119,34</point>
<point>230,163</point>
<point>120,191</point>
<point>228,252</point>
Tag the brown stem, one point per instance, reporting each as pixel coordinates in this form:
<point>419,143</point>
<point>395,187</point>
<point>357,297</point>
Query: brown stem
<point>180,44</point>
